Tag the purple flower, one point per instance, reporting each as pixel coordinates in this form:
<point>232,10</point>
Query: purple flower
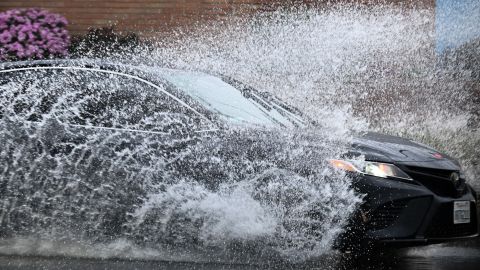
<point>31,51</point>
<point>5,37</point>
<point>32,33</point>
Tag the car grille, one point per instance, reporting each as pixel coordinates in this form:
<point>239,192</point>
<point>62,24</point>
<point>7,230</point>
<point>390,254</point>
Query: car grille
<point>386,214</point>
<point>438,181</point>
<point>442,225</point>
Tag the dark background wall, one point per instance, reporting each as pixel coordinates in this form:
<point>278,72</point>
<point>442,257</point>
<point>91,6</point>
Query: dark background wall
<point>145,16</point>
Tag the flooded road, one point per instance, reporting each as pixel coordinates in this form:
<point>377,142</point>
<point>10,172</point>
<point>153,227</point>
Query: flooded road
<point>441,257</point>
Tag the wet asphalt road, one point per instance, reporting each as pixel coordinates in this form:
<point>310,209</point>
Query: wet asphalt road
<point>465,256</point>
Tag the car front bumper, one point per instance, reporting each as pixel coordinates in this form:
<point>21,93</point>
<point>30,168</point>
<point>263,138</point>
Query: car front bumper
<point>405,213</point>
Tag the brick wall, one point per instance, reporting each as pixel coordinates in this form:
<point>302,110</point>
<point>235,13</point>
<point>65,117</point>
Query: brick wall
<point>144,16</point>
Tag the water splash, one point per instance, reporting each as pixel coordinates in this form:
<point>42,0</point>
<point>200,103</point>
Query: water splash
<point>76,169</point>
<point>351,68</point>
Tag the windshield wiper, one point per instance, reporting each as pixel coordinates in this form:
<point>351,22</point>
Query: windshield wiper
<point>248,92</point>
<point>267,101</point>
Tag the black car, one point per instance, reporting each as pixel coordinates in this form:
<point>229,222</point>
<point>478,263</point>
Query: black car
<point>413,194</point>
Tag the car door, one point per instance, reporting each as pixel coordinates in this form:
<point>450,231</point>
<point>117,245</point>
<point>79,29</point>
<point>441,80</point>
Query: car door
<point>73,135</point>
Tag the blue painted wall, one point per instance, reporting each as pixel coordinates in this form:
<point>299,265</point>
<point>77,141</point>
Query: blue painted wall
<point>456,22</point>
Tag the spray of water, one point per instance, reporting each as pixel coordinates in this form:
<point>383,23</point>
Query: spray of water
<point>76,170</point>
<point>351,68</point>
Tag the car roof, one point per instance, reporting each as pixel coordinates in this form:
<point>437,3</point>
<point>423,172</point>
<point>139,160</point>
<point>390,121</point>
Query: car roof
<point>88,63</point>
<point>145,72</point>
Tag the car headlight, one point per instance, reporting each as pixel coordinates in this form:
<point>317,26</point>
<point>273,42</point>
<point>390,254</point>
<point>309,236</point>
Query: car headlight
<point>384,170</point>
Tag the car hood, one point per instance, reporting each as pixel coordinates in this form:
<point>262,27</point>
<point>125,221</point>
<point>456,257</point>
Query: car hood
<point>391,149</point>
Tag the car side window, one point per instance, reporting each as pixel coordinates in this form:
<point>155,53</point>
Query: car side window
<point>94,98</point>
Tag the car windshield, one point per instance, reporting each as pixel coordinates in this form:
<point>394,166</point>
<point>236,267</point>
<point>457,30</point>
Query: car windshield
<point>232,104</point>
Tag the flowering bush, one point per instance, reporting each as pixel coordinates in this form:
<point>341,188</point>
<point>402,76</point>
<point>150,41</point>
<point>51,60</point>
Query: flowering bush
<point>32,34</point>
